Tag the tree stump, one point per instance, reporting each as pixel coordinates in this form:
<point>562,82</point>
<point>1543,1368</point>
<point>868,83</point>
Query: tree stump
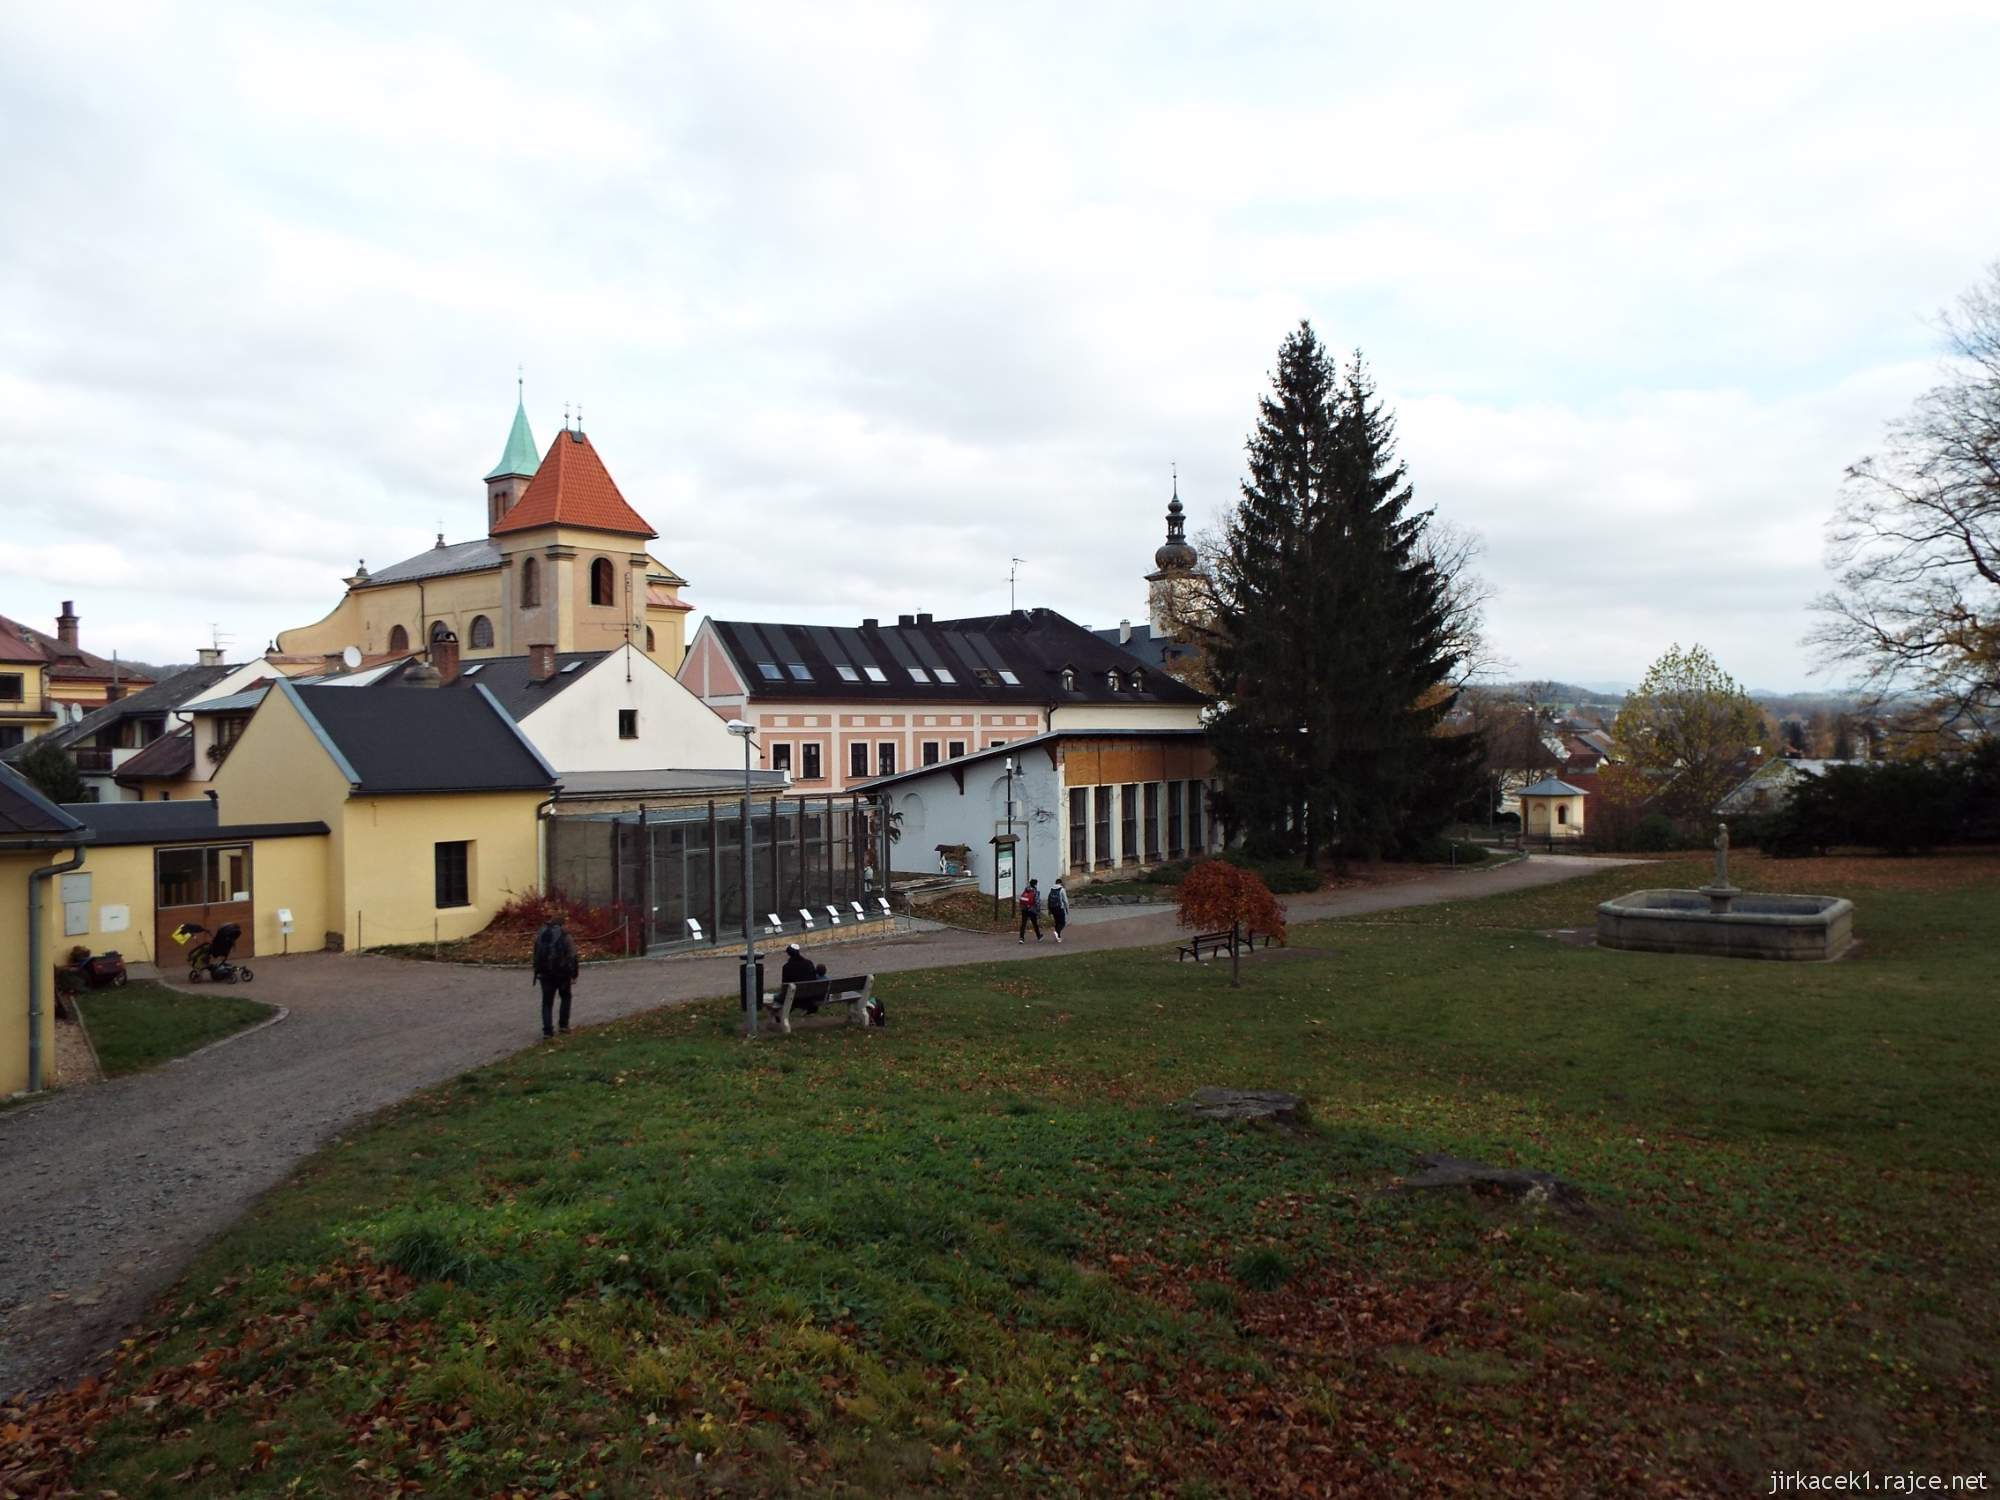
<point>1288,1110</point>
<point>1522,1184</point>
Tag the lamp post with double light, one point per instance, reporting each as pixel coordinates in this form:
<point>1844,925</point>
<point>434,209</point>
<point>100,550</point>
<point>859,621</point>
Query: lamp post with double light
<point>750,989</point>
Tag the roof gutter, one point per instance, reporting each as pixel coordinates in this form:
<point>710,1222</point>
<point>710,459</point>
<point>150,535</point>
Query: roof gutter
<point>35,879</point>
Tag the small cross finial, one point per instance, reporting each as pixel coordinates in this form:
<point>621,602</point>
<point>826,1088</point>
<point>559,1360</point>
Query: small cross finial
<point>520,384</point>
<point>565,416</point>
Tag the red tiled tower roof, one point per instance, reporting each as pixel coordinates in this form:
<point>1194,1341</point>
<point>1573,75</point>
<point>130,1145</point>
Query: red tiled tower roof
<point>571,487</point>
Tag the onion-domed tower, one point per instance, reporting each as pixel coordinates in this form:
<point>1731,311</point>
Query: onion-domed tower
<point>1168,586</point>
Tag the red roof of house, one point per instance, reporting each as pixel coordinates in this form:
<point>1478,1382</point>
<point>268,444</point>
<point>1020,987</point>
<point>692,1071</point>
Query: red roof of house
<point>24,643</point>
<point>573,488</point>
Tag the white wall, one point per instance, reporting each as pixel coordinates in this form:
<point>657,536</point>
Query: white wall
<point>1127,716</point>
<point>935,812</point>
<point>577,730</point>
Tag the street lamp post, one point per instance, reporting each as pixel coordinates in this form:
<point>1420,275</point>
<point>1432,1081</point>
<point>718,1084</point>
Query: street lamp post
<point>750,987</point>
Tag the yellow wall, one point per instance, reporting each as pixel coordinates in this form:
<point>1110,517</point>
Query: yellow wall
<point>14,867</point>
<point>285,872</point>
<point>33,701</point>
<point>391,889</point>
<point>566,618</point>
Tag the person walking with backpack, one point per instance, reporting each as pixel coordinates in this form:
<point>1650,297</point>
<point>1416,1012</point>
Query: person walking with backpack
<point>555,969</point>
<point>1031,911</point>
<point>1058,907</point>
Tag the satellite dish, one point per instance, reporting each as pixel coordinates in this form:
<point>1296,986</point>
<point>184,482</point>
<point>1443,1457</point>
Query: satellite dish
<point>351,657</point>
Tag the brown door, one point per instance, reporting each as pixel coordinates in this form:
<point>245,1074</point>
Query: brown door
<point>201,885</point>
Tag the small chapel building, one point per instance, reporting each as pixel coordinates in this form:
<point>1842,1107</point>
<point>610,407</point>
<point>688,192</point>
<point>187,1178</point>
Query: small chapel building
<point>563,564</point>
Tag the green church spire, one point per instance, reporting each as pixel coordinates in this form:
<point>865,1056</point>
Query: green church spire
<point>521,457</point>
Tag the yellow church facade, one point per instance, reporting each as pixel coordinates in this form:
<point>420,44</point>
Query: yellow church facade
<point>564,563</point>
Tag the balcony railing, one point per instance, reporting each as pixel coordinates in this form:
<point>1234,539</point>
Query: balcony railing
<point>32,707</point>
<point>91,759</point>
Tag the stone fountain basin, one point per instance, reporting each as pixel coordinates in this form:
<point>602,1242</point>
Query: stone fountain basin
<point>1798,928</point>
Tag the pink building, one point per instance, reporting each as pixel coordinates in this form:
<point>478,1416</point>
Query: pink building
<point>836,706</point>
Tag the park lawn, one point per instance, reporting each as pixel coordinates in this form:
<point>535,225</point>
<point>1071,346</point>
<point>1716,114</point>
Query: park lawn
<point>977,1253</point>
<point>141,1023</point>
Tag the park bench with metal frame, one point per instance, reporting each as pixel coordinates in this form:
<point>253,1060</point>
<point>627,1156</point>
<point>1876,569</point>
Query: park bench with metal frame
<point>854,990</point>
<point>1216,942</point>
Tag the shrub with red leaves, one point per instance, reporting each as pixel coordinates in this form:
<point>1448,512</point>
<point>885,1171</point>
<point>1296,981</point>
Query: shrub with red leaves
<point>598,931</point>
<point>1217,896</point>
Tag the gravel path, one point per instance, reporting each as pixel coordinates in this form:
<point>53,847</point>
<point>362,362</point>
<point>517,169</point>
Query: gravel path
<point>111,1190</point>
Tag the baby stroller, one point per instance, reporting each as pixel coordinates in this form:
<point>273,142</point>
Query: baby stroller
<point>210,959</point>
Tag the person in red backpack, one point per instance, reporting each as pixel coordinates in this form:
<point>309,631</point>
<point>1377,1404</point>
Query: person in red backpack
<point>1031,911</point>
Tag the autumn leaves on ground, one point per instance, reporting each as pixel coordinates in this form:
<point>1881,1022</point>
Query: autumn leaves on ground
<point>978,1253</point>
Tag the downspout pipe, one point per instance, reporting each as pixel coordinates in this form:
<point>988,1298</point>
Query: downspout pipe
<point>35,879</point>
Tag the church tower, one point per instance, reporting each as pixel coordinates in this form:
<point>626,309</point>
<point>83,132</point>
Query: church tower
<point>1169,587</point>
<point>509,478</point>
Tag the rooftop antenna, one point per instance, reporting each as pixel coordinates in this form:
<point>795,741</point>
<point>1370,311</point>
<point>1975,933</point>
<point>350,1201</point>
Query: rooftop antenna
<point>1013,568</point>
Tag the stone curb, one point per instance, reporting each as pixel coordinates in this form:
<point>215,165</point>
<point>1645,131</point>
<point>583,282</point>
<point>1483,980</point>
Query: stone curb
<point>283,1011</point>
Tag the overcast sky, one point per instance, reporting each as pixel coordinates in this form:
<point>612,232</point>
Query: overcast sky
<point>860,302</point>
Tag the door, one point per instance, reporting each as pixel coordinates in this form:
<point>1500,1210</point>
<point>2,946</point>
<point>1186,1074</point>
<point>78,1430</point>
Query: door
<point>208,885</point>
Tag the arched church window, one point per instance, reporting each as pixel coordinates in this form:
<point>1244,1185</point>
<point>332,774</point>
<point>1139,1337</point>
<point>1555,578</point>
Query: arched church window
<point>440,632</point>
<point>650,647</point>
<point>601,591</point>
<point>531,583</point>
<point>399,638</point>
<point>482,633</point>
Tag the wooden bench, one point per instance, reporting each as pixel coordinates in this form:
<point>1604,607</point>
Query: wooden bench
<point>855,990</point>
<point>1216,942</point>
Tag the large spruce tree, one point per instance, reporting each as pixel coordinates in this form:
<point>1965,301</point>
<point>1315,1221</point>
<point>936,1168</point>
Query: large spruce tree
<point>1334,653</point>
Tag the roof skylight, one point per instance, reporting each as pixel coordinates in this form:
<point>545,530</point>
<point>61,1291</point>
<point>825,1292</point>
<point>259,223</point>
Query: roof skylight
<point>473,670</point>
<point>944,674</point>
<point>875,674</point>
<point>770,671</point>
<point>918,674</point>
<point>570,667</point>
<point>800,672</point>
<point>847,673</point>
<point>1009,678</point>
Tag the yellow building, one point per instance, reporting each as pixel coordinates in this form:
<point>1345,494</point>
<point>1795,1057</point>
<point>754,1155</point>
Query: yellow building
<point>47,680</point>
<point>40,844</point>
<point>1552,809</point>
<point>429,798</point>
<point>563,564</point>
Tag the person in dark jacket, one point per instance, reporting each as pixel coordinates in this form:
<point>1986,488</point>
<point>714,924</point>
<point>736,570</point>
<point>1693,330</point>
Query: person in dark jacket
<point>1058,908</point>
<point>799,969</point>
<point>555,970</point>
<point>1031,911</point>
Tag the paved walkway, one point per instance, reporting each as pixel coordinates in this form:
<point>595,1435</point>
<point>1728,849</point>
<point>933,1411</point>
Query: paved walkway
<point>111,1190</point>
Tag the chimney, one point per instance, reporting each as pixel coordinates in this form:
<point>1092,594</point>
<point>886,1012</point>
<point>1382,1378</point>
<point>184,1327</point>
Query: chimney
<point>113,691</point>
<point>335,662</point>
<point>923,619</point>
<point>541,663</point>
<point>871,623</point>
<point>906,621</point>
<point>1124,632</point>
<point>209,656</point>
<point>66,623</point>
<point>444,656</point>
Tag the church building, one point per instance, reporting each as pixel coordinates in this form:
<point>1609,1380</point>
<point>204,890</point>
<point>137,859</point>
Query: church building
<point>563,564</point>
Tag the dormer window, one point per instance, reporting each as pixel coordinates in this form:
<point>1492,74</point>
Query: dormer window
<point>1111,679</point>
<point>1138,682</point>
<point>1068,680</point>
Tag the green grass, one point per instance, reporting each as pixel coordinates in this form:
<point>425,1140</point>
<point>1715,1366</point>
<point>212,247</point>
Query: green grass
<point>142,1024</point>
<point>978,1253</point>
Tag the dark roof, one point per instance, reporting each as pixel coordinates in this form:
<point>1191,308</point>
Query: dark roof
<point>510,679</point>
<point>157,699</point>
<point>1153,650</point>
<point>193,820</point>
<point>27,816</point>
<point>1551,786</point>
<point>577,785</point>
<point>421,739</point>
<point>1015,747</point>
<point>458,557</point>
<point>969,660</point>
<point>168,758</point>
